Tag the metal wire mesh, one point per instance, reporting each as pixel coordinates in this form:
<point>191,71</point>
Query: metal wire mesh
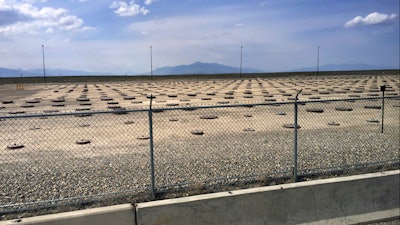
<point>58,157</point>
<point>205,135</point>
<point>339,134</point>
<point>206,144</point>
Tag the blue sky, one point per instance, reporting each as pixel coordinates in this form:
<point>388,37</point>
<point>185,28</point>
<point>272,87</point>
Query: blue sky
<point>276,35</point>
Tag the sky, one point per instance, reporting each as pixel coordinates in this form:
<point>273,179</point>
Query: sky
<point>128,37</point>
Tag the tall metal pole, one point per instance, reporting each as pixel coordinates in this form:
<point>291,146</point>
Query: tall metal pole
<point>383,106</point>
<point>295,136</point>
<point>318,62</point>
<point>241,51</point>
<point>44,67</point>
<point>152,177</point>
<point>151,62</point>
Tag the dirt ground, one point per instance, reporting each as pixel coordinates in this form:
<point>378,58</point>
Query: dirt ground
<point>47,151</point>
<point>63,132</point>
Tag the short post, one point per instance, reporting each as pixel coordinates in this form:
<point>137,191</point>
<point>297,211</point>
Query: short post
<point>295,137</point>
<point>151,149</point>
<point>20,86</point>
<point>383,105</point>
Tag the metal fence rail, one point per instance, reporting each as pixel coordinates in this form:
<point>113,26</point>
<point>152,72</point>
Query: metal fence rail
<point>49,159</point>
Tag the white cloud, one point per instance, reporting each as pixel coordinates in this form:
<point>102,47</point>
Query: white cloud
<point>34,1</point>
<point>238,25</point>
<point>262,4</point>
<point>45,13</point>
<point>4,6</point>
<point>30,19</point>
<point>370,19</point>
<point>148,2</point>
<point>123,8</point>
<point>70,23</point>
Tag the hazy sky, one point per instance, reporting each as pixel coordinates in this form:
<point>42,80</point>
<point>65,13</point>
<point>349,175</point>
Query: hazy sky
<point>276,35</point>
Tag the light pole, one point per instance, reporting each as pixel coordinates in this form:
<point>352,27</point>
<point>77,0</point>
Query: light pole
<point>241,57</point>
<point>318,62</point>
<point>151,62</point>
<point>44,68</point>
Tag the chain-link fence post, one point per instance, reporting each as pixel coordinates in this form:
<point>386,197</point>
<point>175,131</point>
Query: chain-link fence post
<point>151,148</point>
<point>295,137</point>
<point>383,105</point>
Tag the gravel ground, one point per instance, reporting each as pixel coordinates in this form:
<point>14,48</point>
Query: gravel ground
<point>394,222</point>
<point>178,160</point>
<point>240,142</point>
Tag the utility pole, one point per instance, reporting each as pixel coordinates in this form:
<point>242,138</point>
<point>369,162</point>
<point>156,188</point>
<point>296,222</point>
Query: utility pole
<point>241,54</point>
<point>151,62</point>
<point>44,67</point>
<point>318,62</point>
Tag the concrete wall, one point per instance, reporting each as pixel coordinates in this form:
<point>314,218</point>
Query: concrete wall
<point>345,200</point>
<point>305,202</point>
<point>119,215</point>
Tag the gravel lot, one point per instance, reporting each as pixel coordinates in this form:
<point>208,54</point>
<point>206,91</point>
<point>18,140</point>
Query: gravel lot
<point>237,142</point>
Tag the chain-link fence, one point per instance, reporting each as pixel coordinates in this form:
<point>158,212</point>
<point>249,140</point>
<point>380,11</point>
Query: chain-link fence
<point>55,158</point>
<point>347,134</point>
<point>213,144</point>
<point>52,158</point>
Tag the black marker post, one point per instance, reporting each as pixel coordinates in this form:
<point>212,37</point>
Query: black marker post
<point>383,88</point>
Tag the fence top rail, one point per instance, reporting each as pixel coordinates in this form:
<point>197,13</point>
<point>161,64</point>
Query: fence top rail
<point>268,103</point>
<point>120,111</point>
<point>347,99</point>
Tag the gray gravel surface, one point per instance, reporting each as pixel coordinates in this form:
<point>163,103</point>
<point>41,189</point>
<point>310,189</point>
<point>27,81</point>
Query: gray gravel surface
<point>199,159</point>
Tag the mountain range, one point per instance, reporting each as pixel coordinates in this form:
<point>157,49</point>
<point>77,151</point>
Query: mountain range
<point>194,68</point>
<point>202,68</point>
<point>344,67</point>
<point>6,72</point>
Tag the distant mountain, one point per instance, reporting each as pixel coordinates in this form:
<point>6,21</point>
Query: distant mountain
<point>58,72</point>
<point>195,68</point>
<point>5,72</point>
<point>345,67</point>
<point>201,68</point>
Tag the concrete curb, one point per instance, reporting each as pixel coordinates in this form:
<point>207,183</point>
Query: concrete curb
<point>336,200</point>
<point>119,214</point>
<point>345,200</point>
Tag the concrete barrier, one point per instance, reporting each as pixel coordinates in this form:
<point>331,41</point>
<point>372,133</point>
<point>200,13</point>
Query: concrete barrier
<point>119,214</point>
<point>342,200</point>
<point>345,200</point>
